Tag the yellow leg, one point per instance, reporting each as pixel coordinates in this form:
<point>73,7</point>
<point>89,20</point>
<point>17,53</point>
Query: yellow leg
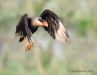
<point>28,46</point>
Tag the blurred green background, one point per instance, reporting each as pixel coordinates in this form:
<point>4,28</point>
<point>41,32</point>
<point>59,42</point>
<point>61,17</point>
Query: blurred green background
<point>79,17</point>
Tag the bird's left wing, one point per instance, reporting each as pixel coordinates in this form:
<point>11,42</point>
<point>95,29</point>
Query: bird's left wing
<point>55,27</point>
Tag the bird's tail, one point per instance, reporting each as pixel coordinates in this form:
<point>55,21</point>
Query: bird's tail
<point>16,35</point>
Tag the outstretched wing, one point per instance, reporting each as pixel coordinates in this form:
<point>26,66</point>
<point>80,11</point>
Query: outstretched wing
<point>22,28</point>
<point>55,27</point>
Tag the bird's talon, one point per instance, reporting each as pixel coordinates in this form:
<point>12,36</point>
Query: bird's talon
<point>28,47</point>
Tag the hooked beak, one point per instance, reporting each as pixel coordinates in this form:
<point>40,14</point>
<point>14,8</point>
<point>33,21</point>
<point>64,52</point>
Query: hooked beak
<point>45,24</point>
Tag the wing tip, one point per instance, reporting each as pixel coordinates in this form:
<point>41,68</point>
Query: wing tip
<point>46,10</point>
<point>65,40</point>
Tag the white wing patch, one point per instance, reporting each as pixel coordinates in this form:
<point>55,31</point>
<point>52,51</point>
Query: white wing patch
<point>61,34</point>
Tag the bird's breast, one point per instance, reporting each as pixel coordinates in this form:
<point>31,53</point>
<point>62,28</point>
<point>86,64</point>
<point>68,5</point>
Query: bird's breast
<point>33,29</point>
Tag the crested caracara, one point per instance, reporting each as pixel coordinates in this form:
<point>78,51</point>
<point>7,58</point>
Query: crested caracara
<point>47,19</point>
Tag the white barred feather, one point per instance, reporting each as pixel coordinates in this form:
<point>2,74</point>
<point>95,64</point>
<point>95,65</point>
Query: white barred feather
<point>61,34</point>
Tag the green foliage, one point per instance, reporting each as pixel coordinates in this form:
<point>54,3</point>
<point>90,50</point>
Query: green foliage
<point>82,26</point>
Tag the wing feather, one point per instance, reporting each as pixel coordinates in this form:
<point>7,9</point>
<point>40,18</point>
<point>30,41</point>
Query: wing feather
<point>22,28</point>
<point>28,32</point>
<point>55,27</point>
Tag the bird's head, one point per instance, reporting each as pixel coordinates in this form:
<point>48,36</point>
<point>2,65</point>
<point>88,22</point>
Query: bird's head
<point>38,21</point>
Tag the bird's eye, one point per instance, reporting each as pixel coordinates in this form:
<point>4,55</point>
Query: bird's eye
<point>41,20</point>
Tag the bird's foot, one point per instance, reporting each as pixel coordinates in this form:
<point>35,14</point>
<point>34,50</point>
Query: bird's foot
<point>28,47</point>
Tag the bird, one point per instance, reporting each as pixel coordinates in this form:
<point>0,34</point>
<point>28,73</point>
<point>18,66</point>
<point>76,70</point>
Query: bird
<point>48,20</point>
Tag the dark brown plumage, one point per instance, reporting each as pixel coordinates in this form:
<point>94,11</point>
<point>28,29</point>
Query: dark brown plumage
<point>49,20</point>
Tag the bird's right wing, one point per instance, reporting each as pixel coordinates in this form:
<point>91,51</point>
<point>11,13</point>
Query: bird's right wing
<point>22,28</point>
<point>28,32</point>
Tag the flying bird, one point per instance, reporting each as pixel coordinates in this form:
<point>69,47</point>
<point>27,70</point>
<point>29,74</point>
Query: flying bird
<point>48,20</point>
